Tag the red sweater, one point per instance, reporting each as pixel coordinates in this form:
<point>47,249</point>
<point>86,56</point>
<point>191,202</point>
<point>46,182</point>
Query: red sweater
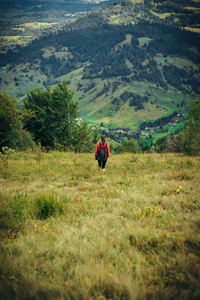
<point>102,146</point>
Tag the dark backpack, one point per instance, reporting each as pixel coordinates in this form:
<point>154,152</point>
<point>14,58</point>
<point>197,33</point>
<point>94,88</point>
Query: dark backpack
<point>102,156</point>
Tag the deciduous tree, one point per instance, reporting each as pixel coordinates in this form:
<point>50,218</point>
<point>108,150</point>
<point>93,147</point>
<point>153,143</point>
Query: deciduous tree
<point>12,132</point>
<point>131,146</point>
<point>54,113</point>
<point>8,115</point>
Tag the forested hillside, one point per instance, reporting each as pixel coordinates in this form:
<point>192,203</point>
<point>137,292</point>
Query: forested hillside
<point>130,62</point>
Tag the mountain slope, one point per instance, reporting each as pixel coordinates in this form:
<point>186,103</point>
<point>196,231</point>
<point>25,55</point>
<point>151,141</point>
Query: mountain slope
<point>23,21</point>
<point>131,62</point>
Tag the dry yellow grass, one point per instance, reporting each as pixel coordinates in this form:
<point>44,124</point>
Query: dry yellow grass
<point>38,25</point>
<point>197,30</point>
<point>132,232</point>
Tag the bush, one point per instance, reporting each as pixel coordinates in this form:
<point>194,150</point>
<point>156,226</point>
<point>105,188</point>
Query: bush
<point>173,143</point>
<point>47,204</point>
<point>19,138</point>
<point>160,144</point>
<point>131,146</point>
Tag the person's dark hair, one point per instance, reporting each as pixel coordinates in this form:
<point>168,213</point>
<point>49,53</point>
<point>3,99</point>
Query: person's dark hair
<point>103,139</point>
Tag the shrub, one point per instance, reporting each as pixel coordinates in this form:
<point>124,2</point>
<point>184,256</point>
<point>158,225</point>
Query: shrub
<point>47,204</point>
<point>131,146</point>
<point>173,143</point>
<point>19,138</point>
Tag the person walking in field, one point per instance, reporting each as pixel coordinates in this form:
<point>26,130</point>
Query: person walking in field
<point>102,152</point>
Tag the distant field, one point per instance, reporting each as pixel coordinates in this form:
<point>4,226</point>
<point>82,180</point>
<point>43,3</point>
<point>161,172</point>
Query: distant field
<point>192,8</point>
<point>197,30</point>
<point>162,16</point>
<point>13,40</point>
<point>176,61</point>
<point>39,25</point>
<point>144,40</point>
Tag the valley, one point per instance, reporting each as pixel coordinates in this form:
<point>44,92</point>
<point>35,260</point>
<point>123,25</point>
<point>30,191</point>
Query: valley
<point>129,62</point>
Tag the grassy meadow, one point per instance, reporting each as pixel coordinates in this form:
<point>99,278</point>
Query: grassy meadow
<point>72,231</point>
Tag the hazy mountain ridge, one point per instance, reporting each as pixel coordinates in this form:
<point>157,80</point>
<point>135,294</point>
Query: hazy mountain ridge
<point>16,17</point>
<point>125,49</point>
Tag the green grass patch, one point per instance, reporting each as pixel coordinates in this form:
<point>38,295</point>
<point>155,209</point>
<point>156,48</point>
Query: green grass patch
<point>144,40</point>
<point>46,205</point>
<point>38,25</point>
<point>12,213</point>
<point>85,113</point>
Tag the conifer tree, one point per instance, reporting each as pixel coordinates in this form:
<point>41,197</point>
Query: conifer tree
<point>8,116</point>
<point>191,135</point>
<point>173,143</point>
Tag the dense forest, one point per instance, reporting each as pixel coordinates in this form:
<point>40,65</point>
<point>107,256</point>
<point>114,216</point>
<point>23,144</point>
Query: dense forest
<point>96,43</point>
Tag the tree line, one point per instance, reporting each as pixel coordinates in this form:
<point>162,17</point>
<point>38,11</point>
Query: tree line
<point>134,100</point>
<point>159,122</point>
<point>49,118</point>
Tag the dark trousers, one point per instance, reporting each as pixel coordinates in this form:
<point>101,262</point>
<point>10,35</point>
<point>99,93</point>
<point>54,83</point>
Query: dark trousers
<point>102,164</point>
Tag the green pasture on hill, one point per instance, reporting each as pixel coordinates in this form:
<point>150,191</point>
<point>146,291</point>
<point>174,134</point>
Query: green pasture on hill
<point>71,231</point>
<point>96,109</point>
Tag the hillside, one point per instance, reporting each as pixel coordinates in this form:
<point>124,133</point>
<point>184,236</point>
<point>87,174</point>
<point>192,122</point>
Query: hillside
<point>130,62</point>
<point>23,21</point>
<point>130,233</point>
